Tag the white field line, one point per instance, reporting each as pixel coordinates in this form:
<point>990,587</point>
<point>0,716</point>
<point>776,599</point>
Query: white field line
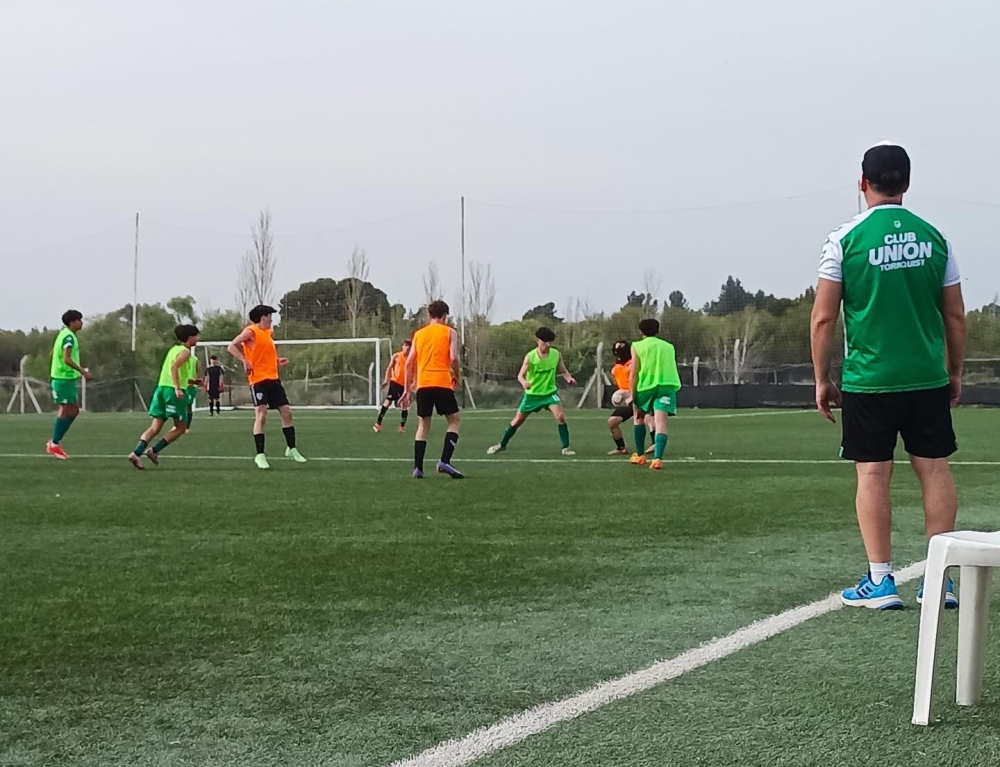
<point>519,727</point>
<point>610,461</point>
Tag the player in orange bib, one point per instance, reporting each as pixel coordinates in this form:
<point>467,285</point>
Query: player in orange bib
<point>621,374</point>
<point>432,370</point>
<point>254,347</point>
<point>395,378</point>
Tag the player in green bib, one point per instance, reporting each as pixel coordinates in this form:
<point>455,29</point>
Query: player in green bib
<point>170,398</point>
<point>194,381</point>
<point>655,383</point>
<point>537,377</point>
<point>65,371</point>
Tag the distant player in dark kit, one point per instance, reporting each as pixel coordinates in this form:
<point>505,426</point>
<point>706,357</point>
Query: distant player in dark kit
<point>65,372</point>
<point>395,380</point>
<point>432,370</point>
<point>215,384</point>
<point>254,347</point>
<point>170,400</point>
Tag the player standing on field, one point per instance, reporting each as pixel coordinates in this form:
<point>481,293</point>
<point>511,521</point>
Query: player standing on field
<point>170,398</point>
<point>432,369</point>
<point>904,322</point>
<point>214,384</point>
<point>65,371</point>
<point>255,348</point>
<point>654,386</point>
<point>395,378</point>
<point>537,377</point>
<point>621,374</point>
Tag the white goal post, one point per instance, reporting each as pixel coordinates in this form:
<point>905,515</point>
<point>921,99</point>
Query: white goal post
<point>322,373</point>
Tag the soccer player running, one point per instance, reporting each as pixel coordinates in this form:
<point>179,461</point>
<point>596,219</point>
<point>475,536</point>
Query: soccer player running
<point>214,385</point>
<point>65,370</point>
<point>395,379</point>
<point>170,399</point>
<point>255,348</point>
<point>537,377</point>
<point>904,322</point>
<point>655,383</point>
<point>432,370</point>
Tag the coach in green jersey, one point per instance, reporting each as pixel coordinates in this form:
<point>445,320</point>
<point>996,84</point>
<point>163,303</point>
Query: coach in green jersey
<point>537,377</point>
<point>655,383</point>
<point>65,371</point>
<point>170,398</point>
<point>904,322</point>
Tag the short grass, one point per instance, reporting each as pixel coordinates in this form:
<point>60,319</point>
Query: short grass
<point>341,613</point>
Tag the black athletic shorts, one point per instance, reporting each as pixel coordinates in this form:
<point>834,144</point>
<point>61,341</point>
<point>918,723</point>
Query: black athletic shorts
<point>395,393</point>
<point>213,393</point>
<point>434,398</point>
<point>623,412</point>
<point>270,393</point>
<point>871,423</point>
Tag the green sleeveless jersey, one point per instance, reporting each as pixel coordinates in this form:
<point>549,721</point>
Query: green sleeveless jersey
<point>59,369</point>
<point>657,364</point>
<point>893,266</point>
<point>541,373</point>
<point>168,363</point>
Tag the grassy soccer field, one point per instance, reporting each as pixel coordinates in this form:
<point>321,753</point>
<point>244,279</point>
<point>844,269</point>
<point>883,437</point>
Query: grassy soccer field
<point>341,613</point>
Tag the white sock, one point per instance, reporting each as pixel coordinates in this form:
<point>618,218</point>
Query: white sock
<point>878,571</point>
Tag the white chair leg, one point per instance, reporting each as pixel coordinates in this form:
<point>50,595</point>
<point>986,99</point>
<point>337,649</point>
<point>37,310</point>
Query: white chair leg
<point>930,619</point>
<point>973,617</point>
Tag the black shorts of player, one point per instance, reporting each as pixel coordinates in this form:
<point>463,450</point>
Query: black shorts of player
<point>871,423</point>
<point>434,398</point>
<point>395,393</point>
<point>623,412</point>
<point>270,393</point>
<point>213,394</point>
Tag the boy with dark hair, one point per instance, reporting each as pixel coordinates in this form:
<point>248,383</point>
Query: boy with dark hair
<point>395,378</point>
<point>255,348</point>
<point>621,374</point>
<point>654,386</point>
<point>170,398</point>
<point>432,370</point>
<point>65,371</point>
<point>214,385</point>
<point>537,377</point>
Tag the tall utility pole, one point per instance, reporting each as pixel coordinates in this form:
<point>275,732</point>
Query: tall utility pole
<point>462,315</point>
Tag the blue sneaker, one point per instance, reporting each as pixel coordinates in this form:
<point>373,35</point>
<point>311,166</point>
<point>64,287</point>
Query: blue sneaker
<point>884,596</point>
<point>950,600</point>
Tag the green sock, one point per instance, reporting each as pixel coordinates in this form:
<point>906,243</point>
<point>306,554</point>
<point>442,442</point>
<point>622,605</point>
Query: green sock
<point>661,445</point>
<point>564,435</point>
<point>141,447</point>
<point>508,435</point>
<point>639,431</point>
<point>158,447</point>
<point>60,428</point>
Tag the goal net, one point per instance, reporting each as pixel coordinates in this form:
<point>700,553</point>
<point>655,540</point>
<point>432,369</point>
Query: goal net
<point>321,373</point>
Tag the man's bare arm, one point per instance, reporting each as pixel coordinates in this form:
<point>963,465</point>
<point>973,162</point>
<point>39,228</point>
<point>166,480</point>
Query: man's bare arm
<point>825,311</point>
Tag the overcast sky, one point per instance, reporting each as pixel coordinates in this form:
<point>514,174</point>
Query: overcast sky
<point>593,140</point>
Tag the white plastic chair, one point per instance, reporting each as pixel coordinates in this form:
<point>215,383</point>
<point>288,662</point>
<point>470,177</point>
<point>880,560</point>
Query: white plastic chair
<point>976,554</point>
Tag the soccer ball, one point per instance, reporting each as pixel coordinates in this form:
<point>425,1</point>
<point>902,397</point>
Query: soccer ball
<point>621,398</point>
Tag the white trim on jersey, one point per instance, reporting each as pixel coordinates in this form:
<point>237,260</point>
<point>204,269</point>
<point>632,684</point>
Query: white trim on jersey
<point>832,256</point>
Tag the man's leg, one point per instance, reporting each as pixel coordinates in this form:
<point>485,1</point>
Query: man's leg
<point>420,444</point>
<point>381,413</point>
<point>65,416</point>
<point>560,416</point>
<point>940,495</point>
<point>135,457</point>
<point>660,418</point>
<point>450,441</point>
<point>288,430</point>
<point>511,429</point>
<point>614,424</point>
<point>178,430</point>
<point>875,515</point>
<point>639,431</point>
